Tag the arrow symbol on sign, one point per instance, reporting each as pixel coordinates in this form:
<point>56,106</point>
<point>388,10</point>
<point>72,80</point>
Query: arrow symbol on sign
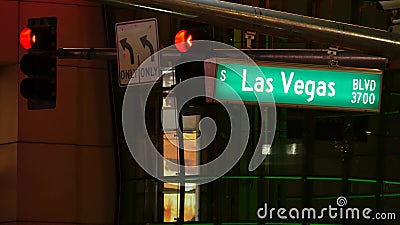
<point>126,45</point>
<point>147,43</point>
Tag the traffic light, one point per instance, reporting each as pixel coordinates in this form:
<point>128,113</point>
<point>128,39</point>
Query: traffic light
<point>40,63</point>
<point>185,42</point>
<point>190,31</point>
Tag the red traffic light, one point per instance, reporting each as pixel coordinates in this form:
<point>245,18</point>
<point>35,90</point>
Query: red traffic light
<point>183,40</point>
<point>27,38</point>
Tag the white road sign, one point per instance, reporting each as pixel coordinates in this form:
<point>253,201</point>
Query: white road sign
<point>136,41</point>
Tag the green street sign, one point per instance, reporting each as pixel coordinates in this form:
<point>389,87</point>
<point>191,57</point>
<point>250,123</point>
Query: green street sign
<point>296,85</point>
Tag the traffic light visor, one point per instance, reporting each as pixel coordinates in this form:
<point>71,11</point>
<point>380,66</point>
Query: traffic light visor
<point>27,38</point>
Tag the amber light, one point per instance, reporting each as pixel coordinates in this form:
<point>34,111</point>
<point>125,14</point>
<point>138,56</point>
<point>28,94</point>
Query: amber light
<point>183,40</point>
<point>27,38</point>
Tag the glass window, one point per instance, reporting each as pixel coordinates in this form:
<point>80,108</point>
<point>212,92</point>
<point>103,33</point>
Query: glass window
<point>170,140</point>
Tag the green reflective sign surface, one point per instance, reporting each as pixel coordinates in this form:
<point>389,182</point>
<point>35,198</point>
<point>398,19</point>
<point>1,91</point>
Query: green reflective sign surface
<point>305,86</point>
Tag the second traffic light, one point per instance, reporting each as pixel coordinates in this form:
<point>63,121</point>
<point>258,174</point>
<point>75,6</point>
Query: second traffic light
<point>185,43</point>
<point>190,31</point>
<point>40,63</point>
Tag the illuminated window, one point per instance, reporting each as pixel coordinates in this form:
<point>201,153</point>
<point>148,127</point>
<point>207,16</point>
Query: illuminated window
<point>168,77</point>
<point>171,190</point>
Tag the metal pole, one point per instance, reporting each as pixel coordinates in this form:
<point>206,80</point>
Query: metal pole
<point>304,56</point>
<point>271,22</point>
<point>87,53</point>
<point>182,172</point>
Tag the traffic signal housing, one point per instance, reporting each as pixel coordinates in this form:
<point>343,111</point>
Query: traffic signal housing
<point>185,42</point>
<point>40,63</point>
<point>190,31</point>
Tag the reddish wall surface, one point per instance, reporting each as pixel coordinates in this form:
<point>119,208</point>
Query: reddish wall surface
<point>56,166</point>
